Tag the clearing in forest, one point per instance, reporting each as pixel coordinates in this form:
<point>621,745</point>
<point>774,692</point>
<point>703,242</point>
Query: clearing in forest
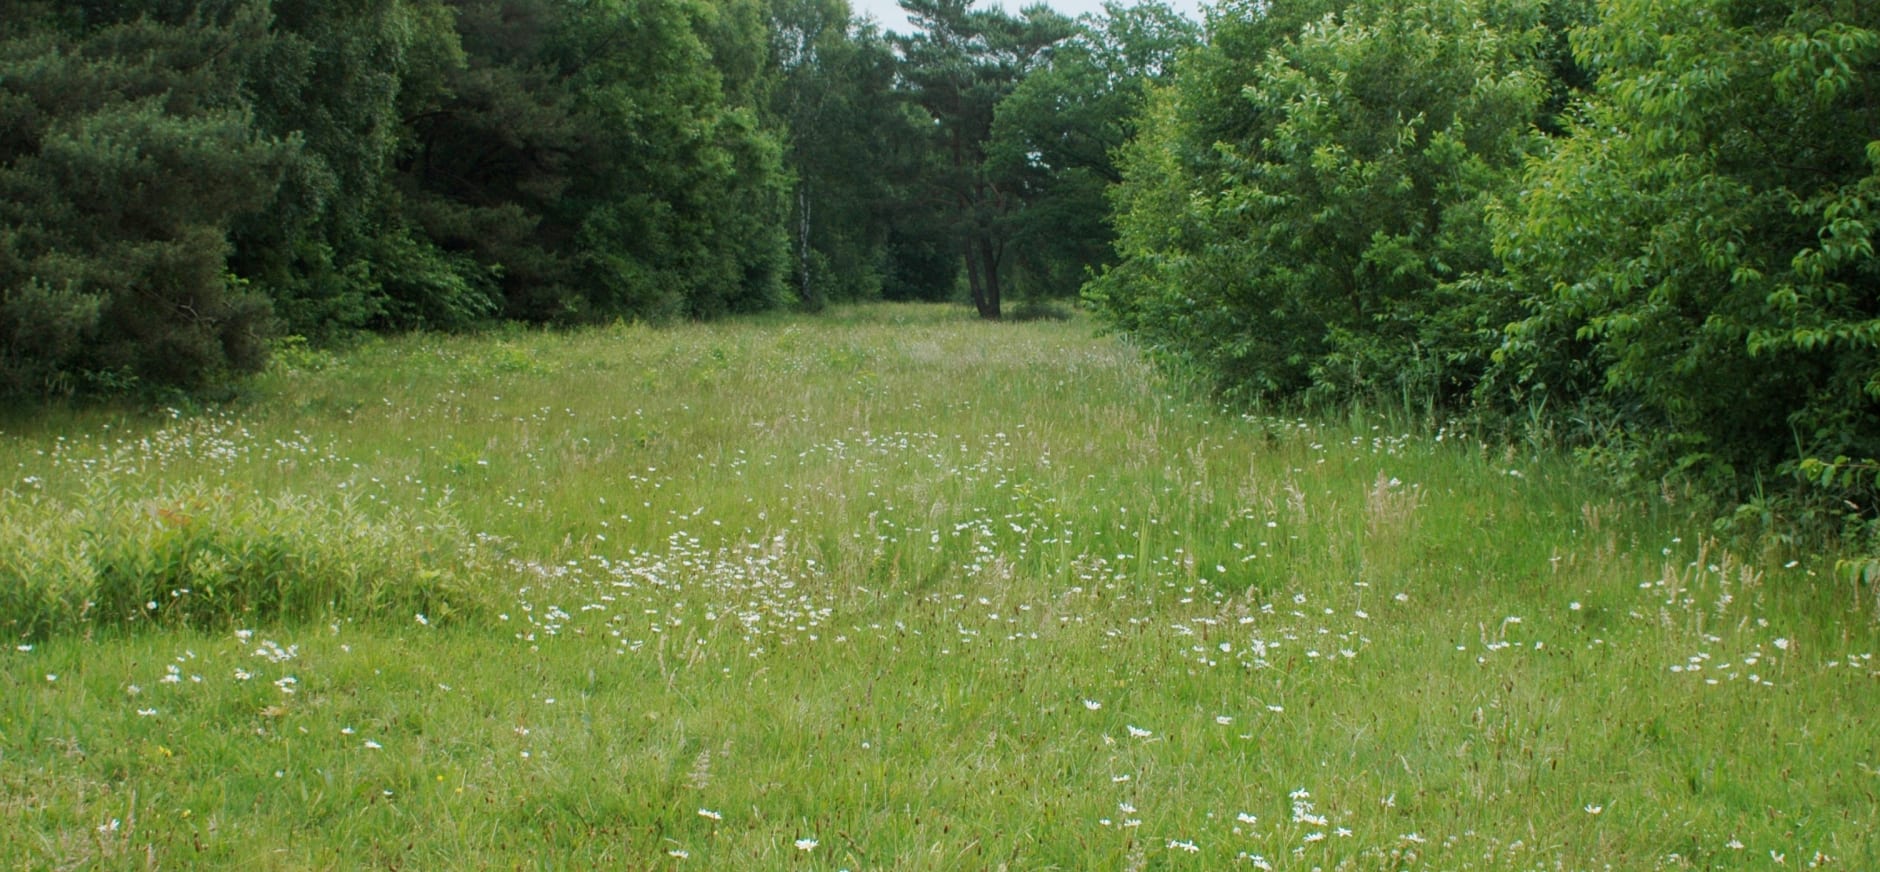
<point>889,588</point>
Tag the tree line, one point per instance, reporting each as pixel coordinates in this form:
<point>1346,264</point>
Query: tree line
<point>1641,227</point>
<point>182,182</point>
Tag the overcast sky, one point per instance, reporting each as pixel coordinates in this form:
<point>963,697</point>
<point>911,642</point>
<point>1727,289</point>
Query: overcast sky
<point>889,14</point>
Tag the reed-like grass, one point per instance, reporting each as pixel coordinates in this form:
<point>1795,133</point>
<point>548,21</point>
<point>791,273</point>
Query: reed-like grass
<point>891,588</point>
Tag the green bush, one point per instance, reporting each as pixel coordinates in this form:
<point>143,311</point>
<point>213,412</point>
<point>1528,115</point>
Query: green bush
<point>1305,208</point>
<point>1699,253</point>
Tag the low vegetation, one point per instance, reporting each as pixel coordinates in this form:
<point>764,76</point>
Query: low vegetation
<point>893,587</point>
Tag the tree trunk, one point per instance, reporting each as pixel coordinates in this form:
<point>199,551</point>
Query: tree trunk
<point>974,280</point>
<point>989,262</point>
<point>812,300</point>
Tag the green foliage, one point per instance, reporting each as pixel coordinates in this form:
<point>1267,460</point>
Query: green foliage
<point>599,159</point>
<point>187,178</point>
<point>1657,246</point>
<point>182,179</point>
<point>1304,210</point>
<point>128,156</point>
<point>960,68</point>
<point>1698,256</point>
<point>1054,139</point>
<point>336,250</point>
<point>835,95</point>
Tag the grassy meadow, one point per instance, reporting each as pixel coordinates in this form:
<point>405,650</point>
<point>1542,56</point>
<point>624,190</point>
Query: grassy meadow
<point>890,588</point>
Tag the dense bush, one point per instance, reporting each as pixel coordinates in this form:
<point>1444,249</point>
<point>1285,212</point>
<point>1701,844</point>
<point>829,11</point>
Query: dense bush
<point>1304,209</point>
<point>1698,256</point>
<point>1657,244</point>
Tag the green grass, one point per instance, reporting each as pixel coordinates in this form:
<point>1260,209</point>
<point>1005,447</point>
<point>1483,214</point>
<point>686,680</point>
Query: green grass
<point>934,593</point>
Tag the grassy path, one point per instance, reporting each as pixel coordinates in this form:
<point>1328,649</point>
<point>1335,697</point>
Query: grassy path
<point>890,589</point>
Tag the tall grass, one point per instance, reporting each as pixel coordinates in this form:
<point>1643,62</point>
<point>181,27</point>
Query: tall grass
<point>890,588</point>
<point>208,557</point>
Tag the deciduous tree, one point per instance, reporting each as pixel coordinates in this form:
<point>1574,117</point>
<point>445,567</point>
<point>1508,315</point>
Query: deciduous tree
<point>959,66</point>
<point>1699,254</point>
